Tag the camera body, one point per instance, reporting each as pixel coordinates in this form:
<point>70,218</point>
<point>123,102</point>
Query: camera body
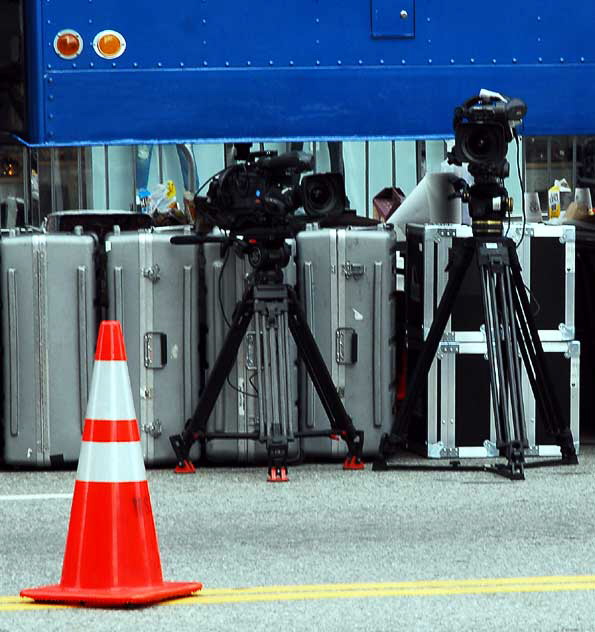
<point>483,128</point>
<point>263,191</point>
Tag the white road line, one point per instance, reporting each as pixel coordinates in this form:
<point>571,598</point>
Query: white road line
<point>35,497</point>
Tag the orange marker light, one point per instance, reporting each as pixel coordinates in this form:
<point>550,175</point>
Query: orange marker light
<point>68,44</point>
<point>109,44</point>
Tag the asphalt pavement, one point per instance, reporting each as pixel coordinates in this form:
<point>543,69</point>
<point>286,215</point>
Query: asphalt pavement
<point>331,550</point>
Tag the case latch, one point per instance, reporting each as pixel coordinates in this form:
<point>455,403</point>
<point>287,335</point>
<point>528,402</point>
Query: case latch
<point>155,347</point>
<point>353,270</point>
<point>346,345</point>
<point>153,273</point>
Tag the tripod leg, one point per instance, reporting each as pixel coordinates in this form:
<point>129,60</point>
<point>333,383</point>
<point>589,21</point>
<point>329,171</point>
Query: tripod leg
<point>323,383</point>
<point>462,257</point>
<point>273,367</point>
<point>504,367</point>
<point>534,359</point>
<point>195,427</point>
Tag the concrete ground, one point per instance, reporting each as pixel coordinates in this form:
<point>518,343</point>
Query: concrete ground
<point>507,555</point>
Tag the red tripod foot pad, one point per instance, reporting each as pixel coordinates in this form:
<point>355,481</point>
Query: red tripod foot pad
<point>187,468</point>
<point>353,463</point>
<point>277,475</point>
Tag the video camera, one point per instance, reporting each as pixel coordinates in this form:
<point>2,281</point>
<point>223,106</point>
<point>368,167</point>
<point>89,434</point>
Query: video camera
<point>262,192</point>
<point>483,128</point>
<point>484,125</point>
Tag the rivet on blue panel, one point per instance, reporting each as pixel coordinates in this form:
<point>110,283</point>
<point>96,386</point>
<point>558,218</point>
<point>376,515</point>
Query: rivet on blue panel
<point>339,62</point>
<point>493,61</point>
<point>561,60</point>
<point>271,62</point>
<point>514,60</point>
<point>49,66</point>
<point>382,61</point>
<point>114,64</point>
<point>159,64</point>
<point>318,62</point>
<point>205,63</point>
<point>50,116</point>
<point>91,65</point>
<point>429,61</point>
<point>227,64</point>
<point>135,64</point>
<point>248,63</point>
<point>472,60</point>
<point>540,60</point>
<point>582,60</point>
<point>291,62</point>
<point>317,20</point>
<point>360,61</point>
<point>181,64</point>
<point>50,97</point>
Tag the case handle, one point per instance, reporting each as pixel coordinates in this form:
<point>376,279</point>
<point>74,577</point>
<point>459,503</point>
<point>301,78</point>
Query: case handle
<point>13,362</point>
<point>309,292</point>
<point>82,342</point>
<point>377,338</point>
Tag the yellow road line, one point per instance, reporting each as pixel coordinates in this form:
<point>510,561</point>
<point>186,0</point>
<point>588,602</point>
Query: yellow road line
<point>421,588</point>
<point>407,584</point>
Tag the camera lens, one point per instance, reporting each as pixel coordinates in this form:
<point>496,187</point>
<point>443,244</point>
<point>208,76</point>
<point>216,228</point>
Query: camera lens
<point>480,145</point>
<point>320,196</point>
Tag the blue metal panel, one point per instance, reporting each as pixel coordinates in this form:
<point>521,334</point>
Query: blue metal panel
<point>205,70</point>
<point>391,19</point>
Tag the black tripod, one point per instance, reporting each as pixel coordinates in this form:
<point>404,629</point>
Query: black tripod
<point>277,309</point>
<point>510,328</point>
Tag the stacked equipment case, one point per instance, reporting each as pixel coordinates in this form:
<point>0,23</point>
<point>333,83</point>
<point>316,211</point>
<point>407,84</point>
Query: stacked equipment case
<point>454,417</point>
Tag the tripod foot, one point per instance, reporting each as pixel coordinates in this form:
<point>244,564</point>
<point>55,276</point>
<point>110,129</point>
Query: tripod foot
<point>353,463</point>
<point>185,467</point>
<point>277,474</point>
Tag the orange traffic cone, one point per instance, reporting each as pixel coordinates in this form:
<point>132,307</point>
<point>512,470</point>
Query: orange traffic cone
<point>112,555</point>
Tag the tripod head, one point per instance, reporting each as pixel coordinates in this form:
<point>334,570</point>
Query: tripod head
<point>267,254</point>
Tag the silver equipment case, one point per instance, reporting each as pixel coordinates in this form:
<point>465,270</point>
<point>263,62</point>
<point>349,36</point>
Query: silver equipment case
<point>347,286</point>
<point>49,330</point>
<point>153,292</point>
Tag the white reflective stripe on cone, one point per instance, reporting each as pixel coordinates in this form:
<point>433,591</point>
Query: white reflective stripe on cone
<point>110,396</point>
<point>113,462</point>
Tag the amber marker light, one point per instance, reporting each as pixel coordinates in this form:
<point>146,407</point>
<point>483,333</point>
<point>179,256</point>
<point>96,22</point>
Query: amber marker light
<point>68,44</point>
<point>109,44</point>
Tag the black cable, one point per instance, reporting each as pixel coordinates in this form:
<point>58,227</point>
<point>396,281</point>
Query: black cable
<point>222,307</point>
<point>522,183</point>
